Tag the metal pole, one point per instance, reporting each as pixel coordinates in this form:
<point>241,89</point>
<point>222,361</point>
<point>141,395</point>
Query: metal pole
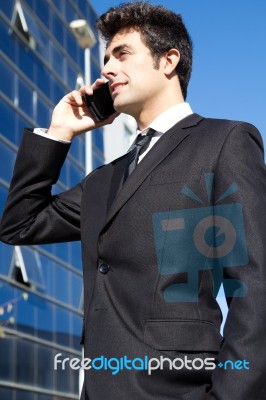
<point>88,162</point>
<point>88,135</point>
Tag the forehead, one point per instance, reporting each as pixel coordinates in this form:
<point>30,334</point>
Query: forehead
<point>130,37</point>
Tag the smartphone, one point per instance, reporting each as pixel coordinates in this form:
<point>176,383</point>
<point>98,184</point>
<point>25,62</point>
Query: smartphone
<point>100,103</point>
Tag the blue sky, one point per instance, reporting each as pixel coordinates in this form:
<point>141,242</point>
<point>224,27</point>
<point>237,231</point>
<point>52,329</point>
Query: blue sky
<point>229,71</point>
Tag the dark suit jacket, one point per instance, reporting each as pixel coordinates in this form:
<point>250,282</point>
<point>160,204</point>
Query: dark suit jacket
<point>155,251</point>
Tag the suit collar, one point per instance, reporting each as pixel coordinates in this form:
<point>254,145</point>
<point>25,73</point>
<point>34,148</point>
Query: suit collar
<point>167,143</point>
<point>189,121</point>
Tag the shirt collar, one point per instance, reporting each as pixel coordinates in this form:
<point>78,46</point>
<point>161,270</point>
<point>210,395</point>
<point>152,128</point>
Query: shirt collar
<point>168,118</point>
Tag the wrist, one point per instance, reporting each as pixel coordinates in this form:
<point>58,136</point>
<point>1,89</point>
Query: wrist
<point>60,133</point>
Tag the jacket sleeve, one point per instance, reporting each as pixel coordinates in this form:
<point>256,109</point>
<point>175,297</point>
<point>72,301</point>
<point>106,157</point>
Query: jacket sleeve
<point>241,164</point>
<point>32,215</point>
<point>241,367</point>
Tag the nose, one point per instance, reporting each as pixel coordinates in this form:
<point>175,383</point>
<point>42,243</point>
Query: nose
<point>109,70</point>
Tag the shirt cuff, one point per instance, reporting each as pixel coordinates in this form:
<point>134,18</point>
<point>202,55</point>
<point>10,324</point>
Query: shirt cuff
<point>43,132</point>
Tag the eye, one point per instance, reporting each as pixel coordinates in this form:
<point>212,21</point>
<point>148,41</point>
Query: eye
<point>123,53</point>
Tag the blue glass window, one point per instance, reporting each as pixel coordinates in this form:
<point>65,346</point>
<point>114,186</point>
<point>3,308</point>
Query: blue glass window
<point>60,5</point>
<point>26,60</point>
<point>43,77</point>
<point>95,51</point>
<point>70,12</point>
<point>20,395</point>
<point>61,284</point>
<point>25,371</point>
<point>97,139</point>
<point>39,317</point>
<point>57,92</point>
<point>58,61</point>
<point>7,81</point>
<point>76,175</point>
<point>64,174</point>
<point>91,16</point>
<point>82,6</point>
<point>61,250</point>
<point>97,161</point>
<point>7,157</point>
<point>3,196</point>
<point>59,279</point>
<point>75,255</point>
<point>7,7</point>
<point>7,42</point>
<point>29,262</point>
<point>25,98</point>
<point>43,114</point>
<point>7,121</point>
<point>6,255</point>
<point>95,72</point>
<point>42,10</point>
<point>72,46</point>
<point>71,77</point>
<point>76,289</point>
<point>45,357</point>
<point>7,367</point>
<point>33,29</point>
<point>27,362</point>
<point>12,300</point>
<point>57,28</point>
<point>30,3</point>
<point>76,330</point>
<point>62,326</point>
<point>44,312</point>
<point>77,150</point>
<point>56,190</point>
<point>20,125</point>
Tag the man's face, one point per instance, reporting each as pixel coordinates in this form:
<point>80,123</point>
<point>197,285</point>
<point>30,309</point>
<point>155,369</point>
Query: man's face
<point>136,86</point>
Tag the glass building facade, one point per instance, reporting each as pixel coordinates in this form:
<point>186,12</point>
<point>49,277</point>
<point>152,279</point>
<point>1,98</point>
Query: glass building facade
<point>41,305</point>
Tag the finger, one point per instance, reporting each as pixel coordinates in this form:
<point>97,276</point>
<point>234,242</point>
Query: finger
<point>89,89</point>
<point>98,83</point>
<point>75,96</point>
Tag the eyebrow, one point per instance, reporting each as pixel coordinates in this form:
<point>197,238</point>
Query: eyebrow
<point>116,50</point>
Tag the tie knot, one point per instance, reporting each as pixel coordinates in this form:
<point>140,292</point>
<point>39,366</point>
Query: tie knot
<point>142,142</point>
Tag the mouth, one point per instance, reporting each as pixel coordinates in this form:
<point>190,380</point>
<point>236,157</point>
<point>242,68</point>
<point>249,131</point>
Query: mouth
<point>116,87</point>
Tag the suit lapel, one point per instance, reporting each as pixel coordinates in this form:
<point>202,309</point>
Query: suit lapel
<point>119,194</point>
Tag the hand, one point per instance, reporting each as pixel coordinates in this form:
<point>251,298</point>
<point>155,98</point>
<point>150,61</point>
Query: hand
<point>71,117</point>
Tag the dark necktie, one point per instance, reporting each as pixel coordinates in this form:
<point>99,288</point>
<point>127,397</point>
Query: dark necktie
<point>140,145</point>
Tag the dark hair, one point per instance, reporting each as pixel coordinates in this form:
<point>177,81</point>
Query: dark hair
<point>160,28</point>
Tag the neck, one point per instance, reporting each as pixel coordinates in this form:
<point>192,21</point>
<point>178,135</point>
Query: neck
<point>167,96</point>
<point>149,114</point>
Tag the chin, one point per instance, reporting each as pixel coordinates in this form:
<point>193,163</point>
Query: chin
<point>124,107</point>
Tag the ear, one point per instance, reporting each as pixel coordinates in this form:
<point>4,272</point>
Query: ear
<point>171,60</point>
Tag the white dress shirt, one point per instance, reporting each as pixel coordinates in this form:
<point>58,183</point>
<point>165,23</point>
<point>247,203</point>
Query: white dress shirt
<point>164,122</point>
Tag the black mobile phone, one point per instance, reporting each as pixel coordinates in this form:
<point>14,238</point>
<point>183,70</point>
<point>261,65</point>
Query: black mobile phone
<point>100,103</point>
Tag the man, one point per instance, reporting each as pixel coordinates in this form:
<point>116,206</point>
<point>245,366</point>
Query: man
<point>158,237</point>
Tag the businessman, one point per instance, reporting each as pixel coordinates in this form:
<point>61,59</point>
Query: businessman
<point>161,227</point>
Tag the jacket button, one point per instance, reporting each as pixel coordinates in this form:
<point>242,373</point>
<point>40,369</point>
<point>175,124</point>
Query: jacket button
<point>104,268</point>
